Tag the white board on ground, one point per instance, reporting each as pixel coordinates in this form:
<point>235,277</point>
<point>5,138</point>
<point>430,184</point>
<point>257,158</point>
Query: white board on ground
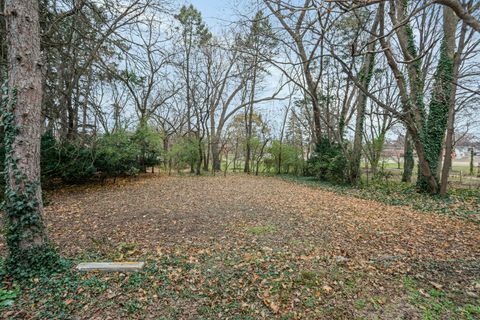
<point>111,266</point>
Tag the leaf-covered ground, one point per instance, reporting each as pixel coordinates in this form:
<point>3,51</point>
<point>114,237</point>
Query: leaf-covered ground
<point>242,247</point>
<point>460,202</point>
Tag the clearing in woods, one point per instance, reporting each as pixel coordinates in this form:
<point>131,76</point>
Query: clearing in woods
<point>253,247</point>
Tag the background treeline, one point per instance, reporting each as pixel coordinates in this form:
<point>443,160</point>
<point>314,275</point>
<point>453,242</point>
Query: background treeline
<point>136,84</point>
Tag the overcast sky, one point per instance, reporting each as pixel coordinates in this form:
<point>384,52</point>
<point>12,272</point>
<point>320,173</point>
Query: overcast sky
<point>217,15</point>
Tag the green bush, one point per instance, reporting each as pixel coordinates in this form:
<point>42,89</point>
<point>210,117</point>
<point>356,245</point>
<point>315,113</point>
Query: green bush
<point>287,156</point>
<point>150,145</point>
<point>328,162</point>
<point>70,162</point>
<point>112,155</point>
<point>117,155</point>
<point>185,152</point>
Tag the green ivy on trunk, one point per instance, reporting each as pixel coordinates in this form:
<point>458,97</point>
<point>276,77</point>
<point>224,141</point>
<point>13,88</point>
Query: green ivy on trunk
<point>30,252</point>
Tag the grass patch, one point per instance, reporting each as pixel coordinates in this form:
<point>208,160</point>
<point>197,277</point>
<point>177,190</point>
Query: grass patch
<point>8,296</point>
<point>437,304</point>
<point>261,229</point>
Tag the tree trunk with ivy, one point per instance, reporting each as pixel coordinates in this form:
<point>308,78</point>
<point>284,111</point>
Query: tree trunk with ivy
<point>436,127</point>
<point>3,44</point>
<point>29,248</point>
<point>411,91</point>
<point>408,160</point>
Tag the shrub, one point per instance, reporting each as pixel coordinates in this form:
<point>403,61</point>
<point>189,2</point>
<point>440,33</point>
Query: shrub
<point>184,152</point>
<point>150,145</point>
<point>292,159</point>
<point>117,155</point>
<point>69,161</point>
<point>328,162</point>
<point>287,156</point>
<point>113,155</point>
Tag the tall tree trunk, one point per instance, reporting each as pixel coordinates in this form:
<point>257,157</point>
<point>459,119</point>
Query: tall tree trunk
<point>412,100</point>
<point>3,45</point>
<point>472,161</point>
<point>235,156</point>
<point>408,160</point>
<point>365,76</point>
<point>165,150</point>
<point>248,151</point>
<point>29,248</point>
<point>439,105</point>
<point>189,106</point>
<point>206,154</point>
<point>282,133</point>
<point>447,157</point>
<point>72,116</point>
<point>215,147</point>
<point>198,167</point>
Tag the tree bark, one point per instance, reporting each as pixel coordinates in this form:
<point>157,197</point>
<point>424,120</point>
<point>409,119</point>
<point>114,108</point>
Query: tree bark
<point>447,157</point>
<point>215,147</point>
<point>3,44</point>
<point>408,161</point>
<point>248,151</point>
<point>26,235</point>
<point>411,100</point>
<point>365,77</point>
<point>437,120</point>
<point>461,12</point>
<point>311,89</point>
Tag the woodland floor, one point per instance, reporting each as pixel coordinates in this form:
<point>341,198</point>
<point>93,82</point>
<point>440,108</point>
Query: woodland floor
<point>244,247</point>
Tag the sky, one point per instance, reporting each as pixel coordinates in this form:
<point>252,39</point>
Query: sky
<point>217,15</point>
<point>212,10</point>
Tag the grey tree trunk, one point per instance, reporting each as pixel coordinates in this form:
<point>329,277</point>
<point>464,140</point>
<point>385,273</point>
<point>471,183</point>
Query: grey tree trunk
<point>408,160</point>
<point>248,150</point>
<point>447,158</point>
<point>365,76</point>
<point>216,153</point>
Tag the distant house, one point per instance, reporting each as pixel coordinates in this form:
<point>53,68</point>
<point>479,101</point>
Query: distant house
<point>464,146</point>
<point>463,152</point>
<point>394,150</point>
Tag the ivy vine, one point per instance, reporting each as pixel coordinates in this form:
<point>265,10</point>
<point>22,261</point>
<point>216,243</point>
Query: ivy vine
<point>29,250</point>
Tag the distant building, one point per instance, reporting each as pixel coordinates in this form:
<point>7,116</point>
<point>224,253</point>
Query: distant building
<point>463,152</point>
